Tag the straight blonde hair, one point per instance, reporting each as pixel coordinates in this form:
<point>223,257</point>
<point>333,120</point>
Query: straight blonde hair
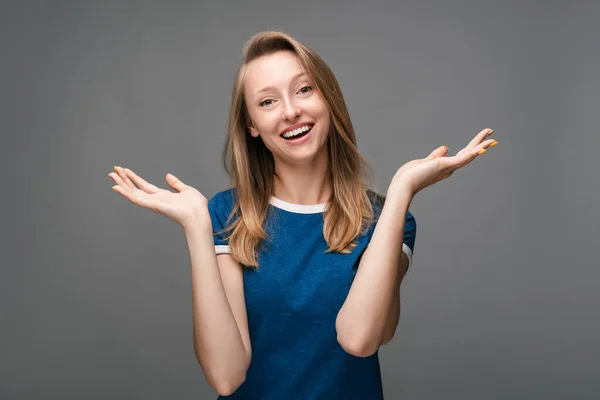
<point>250,164</point>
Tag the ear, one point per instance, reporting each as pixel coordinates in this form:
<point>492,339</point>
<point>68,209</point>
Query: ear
<point>253,130</point>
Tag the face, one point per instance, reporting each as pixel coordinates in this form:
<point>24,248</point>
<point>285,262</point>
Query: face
<point>285,108</point>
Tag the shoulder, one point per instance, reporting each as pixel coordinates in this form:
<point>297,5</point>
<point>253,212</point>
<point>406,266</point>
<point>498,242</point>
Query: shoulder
<point>221,205</point>
<point>222,200</point>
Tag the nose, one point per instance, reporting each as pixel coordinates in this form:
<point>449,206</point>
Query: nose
<point>291,111</point>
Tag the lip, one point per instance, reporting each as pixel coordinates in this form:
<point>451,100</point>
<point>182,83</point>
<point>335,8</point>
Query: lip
<point>296,126</point>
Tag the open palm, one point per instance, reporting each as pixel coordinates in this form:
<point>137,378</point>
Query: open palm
<point>418,174</point>
<point>184,206</point>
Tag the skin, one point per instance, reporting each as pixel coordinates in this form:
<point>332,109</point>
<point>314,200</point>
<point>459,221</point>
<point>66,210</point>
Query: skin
<point>369,316</point>
<point>279,94</point>
<point>367,319</point>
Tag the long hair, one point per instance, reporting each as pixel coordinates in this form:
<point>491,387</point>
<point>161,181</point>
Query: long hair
<point>250,164</point>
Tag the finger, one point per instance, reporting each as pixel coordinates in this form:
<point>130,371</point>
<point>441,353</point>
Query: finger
<point>124,177</point>
<point>465,156</point>
<point>482,148</point>
<point>136,196</point>
<point>479,137</point>
<point>439,152</point>
<point>487,143</point>
<point>175,183</point>
<point>463,159</point>
<point>479,147</point>
<point>141,183</point>
<point>120,183</point>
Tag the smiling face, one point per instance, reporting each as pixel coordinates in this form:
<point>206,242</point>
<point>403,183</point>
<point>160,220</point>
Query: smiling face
<point>285,108</point>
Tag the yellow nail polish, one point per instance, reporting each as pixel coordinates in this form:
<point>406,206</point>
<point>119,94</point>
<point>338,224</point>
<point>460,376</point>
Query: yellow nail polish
<point>115,189</point>
<point>493,144</point>
<point>482,151</point>
<point>116,170</point>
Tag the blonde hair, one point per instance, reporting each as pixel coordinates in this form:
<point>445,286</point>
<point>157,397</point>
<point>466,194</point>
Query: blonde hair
<point>250,164</point>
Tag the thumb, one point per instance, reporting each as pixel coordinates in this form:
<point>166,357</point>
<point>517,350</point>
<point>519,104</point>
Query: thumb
<point>439,152</point>
<point>175,183</point>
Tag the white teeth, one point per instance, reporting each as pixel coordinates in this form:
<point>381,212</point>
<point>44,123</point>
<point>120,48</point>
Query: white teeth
<point>296,131</point>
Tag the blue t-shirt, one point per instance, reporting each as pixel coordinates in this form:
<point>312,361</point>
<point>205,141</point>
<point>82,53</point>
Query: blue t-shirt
<point>292,302</point>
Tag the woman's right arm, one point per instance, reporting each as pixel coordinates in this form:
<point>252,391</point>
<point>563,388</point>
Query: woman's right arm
<point>221,338</point>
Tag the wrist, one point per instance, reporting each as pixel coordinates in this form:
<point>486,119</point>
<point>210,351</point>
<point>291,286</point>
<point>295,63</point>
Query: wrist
<point>200,223</point>
<point>401,190</point>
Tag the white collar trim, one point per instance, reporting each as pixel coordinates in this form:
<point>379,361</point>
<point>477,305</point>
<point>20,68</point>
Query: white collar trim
<point>298,208</point>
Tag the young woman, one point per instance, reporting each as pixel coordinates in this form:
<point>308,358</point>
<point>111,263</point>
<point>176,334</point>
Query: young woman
<point>296,269</point>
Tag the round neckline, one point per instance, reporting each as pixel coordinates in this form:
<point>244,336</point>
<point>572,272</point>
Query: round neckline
<point>297,208</point>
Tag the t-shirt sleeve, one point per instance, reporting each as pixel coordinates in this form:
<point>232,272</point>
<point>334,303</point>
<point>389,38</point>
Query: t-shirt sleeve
<point>219,212</point>
<point>410,233</point>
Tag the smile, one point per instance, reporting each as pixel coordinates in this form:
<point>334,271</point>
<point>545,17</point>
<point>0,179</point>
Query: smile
<point>297,133</point>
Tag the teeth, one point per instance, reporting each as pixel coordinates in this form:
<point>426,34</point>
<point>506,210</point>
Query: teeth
<point>296,132</point>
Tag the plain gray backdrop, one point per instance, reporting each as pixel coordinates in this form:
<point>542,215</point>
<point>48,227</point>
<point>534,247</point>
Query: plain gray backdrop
<point>502,299</point>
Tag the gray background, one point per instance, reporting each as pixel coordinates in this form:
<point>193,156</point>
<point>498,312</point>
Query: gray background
<point>501,302</point>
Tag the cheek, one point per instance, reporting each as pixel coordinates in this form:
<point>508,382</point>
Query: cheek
<point>320,107</point>
<point>269,123</point>
<point>322,112</point>
<point>264,123</point>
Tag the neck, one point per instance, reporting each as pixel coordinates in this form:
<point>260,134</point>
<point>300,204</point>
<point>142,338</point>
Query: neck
<point>303,184</point>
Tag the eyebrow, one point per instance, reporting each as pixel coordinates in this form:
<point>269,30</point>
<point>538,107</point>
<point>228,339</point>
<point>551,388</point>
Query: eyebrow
<point>271,87</point>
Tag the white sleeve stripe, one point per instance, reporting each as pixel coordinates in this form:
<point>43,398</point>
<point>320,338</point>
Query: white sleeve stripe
<point>406,250</point>
<point>222,249</point>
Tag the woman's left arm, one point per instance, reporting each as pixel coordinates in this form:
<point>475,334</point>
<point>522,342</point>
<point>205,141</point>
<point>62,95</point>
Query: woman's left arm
<point>370,314</point>
<point>371,311</point>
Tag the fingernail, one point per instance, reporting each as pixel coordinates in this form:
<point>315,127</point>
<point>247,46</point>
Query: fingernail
<point>116,170</point>
<point>490,132</point>
<point>493,144</point>
<point>482,151</point>
<point>115,189</point>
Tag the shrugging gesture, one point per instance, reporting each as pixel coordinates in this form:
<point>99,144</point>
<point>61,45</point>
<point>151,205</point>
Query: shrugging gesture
<point>185,206</point>
<point>416,175</point>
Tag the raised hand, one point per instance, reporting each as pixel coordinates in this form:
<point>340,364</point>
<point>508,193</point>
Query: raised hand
<point>187,206</point>
<point>416,175</point>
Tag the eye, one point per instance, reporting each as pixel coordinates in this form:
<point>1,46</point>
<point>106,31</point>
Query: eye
<point>306,89</point>
<point>266,102</point>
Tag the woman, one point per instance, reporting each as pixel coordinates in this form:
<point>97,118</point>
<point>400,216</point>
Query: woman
<point>296,269</point>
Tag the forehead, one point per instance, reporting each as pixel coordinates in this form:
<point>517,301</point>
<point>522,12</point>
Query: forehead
<point>275,69</point>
